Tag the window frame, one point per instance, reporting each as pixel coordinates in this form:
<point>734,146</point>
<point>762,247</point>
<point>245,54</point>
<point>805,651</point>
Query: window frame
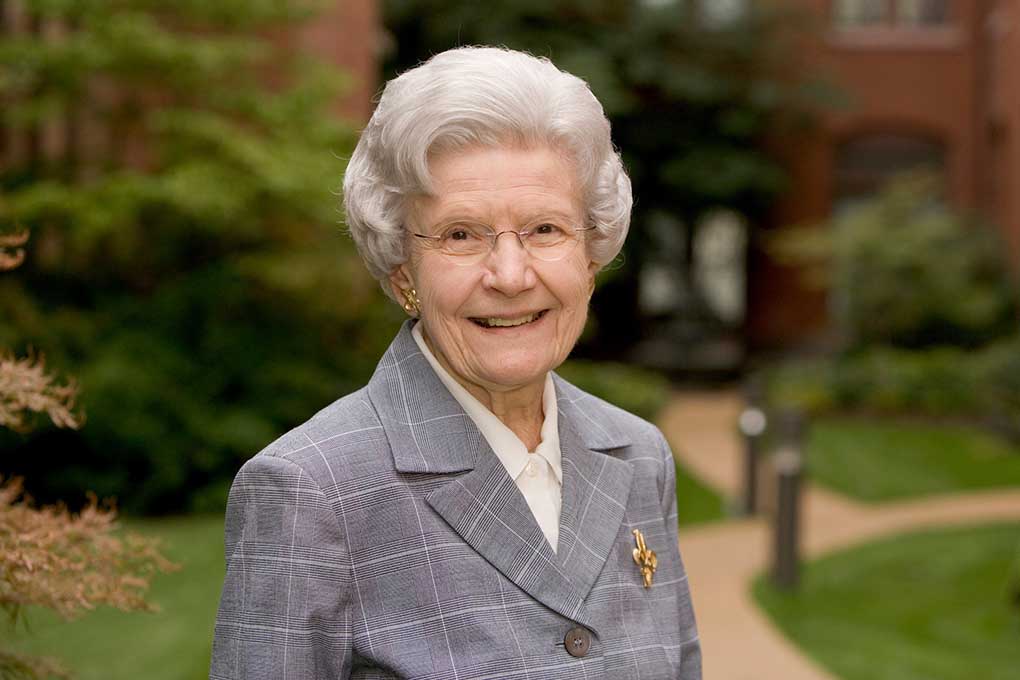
<point>890,33</point>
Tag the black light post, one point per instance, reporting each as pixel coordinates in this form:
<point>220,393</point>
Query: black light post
<point>789,471</point>
<point>752,424</point>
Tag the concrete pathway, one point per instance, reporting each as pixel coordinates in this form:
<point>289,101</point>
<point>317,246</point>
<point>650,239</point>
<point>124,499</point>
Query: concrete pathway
<point>738,640</point>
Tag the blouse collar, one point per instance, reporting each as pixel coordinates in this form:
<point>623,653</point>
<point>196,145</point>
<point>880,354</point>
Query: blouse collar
<point>507,446</point>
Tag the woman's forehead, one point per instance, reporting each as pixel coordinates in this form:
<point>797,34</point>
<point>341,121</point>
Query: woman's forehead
<point>487,183</point>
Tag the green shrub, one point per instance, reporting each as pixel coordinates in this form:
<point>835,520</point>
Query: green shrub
<point>902,270</point>
<point>996,372</point>
<point>981,384</point>
<point>802,385</point>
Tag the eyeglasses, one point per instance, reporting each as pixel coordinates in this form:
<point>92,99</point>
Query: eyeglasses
<point>468,243</point>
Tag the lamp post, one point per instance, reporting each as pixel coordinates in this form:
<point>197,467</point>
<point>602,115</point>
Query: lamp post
<point>789,471</point>
<point>752,424</point>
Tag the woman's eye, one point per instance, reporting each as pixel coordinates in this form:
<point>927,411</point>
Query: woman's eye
<point>548,229</point>
<point>458,235</point>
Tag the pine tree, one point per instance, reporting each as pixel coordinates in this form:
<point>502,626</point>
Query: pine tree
<point>178,165</point>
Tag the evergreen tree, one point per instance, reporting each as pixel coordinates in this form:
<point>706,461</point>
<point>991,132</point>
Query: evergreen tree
<point>178,165</point>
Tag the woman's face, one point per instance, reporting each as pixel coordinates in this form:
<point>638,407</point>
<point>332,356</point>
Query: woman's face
<point>506,188</point>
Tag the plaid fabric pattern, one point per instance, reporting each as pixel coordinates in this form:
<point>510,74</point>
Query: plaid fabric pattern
<point>384,539</point>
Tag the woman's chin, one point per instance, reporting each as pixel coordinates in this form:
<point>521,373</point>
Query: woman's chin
<point>509,358</point>
<point>504,380</point>
<point>511,370</point>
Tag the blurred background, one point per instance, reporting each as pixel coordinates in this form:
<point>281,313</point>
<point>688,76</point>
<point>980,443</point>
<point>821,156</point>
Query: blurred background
<point>826,232</point>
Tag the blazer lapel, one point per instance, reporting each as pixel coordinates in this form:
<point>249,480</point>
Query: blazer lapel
<point>429,432</point>
<point>427,429</point>
<point>595,491</point>
<point>490,514</point>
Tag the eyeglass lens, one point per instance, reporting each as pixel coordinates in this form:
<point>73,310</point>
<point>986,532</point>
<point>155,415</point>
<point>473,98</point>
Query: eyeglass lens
<point>468,243</point>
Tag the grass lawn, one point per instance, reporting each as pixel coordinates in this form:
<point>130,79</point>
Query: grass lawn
<point>924,606</point>
<point>696,503</point>
<point>173,644</point>
<point>875,460</point>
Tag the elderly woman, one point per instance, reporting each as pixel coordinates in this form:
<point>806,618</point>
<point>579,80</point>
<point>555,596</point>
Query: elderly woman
<point>468,514</point>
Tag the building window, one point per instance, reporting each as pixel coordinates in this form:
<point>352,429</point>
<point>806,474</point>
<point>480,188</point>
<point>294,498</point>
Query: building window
<point>922,12</point>
<point>858,14</point>
<point>723,13</point>
<point>865,163</point>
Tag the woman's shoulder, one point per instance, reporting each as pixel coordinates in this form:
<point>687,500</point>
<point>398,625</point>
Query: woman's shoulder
<point>343,434</point>
<point>602,418</point>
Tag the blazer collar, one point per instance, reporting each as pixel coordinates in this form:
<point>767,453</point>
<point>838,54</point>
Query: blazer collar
<point>427,429</point>
<point>429,432</point>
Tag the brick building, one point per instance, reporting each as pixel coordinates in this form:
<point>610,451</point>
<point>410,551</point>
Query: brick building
<point>349,34</point>
<point>930,82</point>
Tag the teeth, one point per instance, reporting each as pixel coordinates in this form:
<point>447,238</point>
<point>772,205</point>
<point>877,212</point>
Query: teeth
<point>505,323</point>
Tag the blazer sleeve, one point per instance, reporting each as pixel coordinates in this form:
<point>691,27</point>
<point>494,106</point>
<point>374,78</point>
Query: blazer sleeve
<point>690,653</point>
<point>283,612</point>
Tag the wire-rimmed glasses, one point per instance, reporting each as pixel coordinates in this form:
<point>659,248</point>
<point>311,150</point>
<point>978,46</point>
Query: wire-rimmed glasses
<point>468,243</point>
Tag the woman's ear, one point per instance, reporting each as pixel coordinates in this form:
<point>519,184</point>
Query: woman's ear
<point>400,280</point>
<point>402,286</point>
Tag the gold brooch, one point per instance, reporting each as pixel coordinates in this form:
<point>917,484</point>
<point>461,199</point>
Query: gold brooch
<point>645,559</point>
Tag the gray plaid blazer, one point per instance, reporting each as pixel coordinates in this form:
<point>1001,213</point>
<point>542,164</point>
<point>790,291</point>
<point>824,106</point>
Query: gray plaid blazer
<point>384,539</point>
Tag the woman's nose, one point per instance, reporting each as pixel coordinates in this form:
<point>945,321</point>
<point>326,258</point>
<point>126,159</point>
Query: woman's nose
<point>509,265</point>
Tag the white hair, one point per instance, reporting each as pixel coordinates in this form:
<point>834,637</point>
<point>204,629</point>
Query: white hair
<point>478,96</point>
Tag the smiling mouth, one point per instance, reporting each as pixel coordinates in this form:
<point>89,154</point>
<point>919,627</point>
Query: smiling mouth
<point>496,322</point>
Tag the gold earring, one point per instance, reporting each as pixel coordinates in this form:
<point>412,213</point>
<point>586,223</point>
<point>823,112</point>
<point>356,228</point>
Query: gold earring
<point>412,305</point>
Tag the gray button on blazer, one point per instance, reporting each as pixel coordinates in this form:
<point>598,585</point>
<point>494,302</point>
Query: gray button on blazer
<point>384,539</point>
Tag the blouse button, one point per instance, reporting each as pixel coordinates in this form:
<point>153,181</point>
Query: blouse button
<point>531,469</point>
